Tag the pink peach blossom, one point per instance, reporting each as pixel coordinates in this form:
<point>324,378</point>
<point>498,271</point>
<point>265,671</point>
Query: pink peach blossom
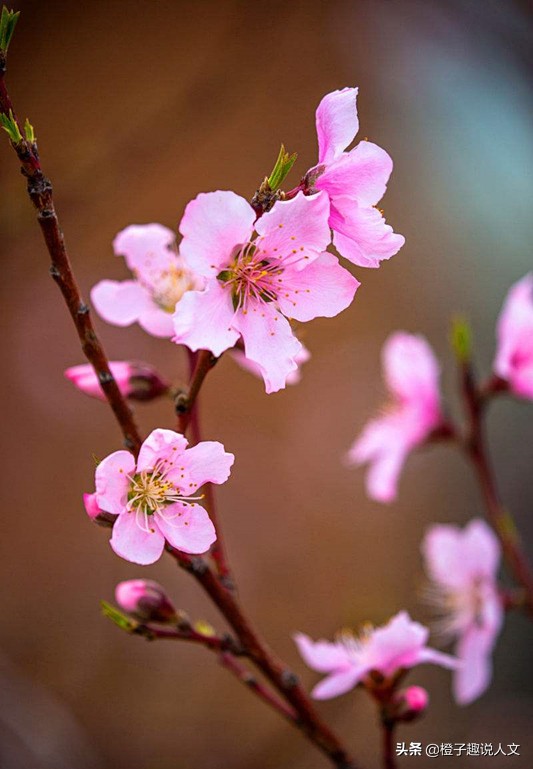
<point>138,381</point>
<point>154,498</point>
<point>258,275</point>
<point>463,566</point>
<point>411,372</point>
<point>355,181</point>
<point>399,644</point>
<point>161,277</point>
<point>514,357</point>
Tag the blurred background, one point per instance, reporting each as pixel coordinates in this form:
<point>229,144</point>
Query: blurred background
<point>137,107</point>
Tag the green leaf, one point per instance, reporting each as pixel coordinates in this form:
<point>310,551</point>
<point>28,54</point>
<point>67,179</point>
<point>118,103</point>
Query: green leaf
<point>10,126</point>
<point>461,339</point>
<point>29,132</point>
<point>8,22</point>
<point>121,620</point>
<point>281,169</point>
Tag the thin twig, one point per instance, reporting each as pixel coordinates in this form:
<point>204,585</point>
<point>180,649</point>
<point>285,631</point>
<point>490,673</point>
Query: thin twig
<point>40,192</point>
<point>279,675</point>
<point>475,448</point>
<point>246,677</point>
<point>203,363</point>
<point>227,650</point>
<point>218,549</point>
<point>389,757</point>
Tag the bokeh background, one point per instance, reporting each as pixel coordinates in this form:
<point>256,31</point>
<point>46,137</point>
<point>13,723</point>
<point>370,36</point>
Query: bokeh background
<point>138,106</point>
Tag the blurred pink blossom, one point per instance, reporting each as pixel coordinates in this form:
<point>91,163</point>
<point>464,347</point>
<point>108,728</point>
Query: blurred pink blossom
<point>161,277</point>
<point>153,497</point>
<point>399,644</point>
<point>411,373</point>
<point>255,283</point>
<point>514,356</point>
<point>463,565</point>
<point>355,182</point>
<point>139,381</point>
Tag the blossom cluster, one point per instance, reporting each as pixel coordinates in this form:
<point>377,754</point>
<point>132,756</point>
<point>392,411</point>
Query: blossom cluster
<point>236,282</point>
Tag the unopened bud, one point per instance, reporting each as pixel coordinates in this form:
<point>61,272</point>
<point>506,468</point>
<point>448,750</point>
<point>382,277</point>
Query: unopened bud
<point>409,704</point>
<point>95,514</point>
<point>145,600</point>
<point>138,381</point>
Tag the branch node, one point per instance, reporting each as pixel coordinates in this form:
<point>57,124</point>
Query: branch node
<point>289,679</point>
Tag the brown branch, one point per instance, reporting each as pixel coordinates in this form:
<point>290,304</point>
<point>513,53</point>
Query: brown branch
<point>218,550</point>
<point>247,678</point>
<point>475,448</point>
<point>283,679</point>
<point>389,757</point>
<point>40,192</point>
<point>185,401</point>
<point>227,650</point>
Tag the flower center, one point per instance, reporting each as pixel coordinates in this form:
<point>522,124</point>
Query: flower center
<point>149,492</point>
<point>458,609</point>
<point>355,643</point>
<point>250,277</point>
<point>170,286</point>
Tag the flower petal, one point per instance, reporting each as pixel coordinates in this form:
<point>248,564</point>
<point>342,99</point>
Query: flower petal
<point>212,225</point>
<point>361,235</point>
<point>133,543</point>
<point>361,174</point>
<point>456,558</point>
<point>187,527</point>
<point>269,342</point>
<point>207,462</point>
<point>322,656</point>
<point>120,302</point>
<point>384,443</point>
<point>146,248</point>
<point>296,228</point>
<point>248,365</point>
<point>204,320</point>
<point>482,549</point>
<point>336,123</point>
<point>112,483</point>
<point>322,289</point>
<point>514,356</point>
<point>161,444</point>
<point>411,370</point>
<point>338,683</point>
<point>157,322</point>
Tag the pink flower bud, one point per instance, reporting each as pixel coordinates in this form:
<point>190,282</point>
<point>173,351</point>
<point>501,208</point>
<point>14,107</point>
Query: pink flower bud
<point>95,513</point>
<point>409,704</point>
<point>146,600</point>
<point>137,381</point>
<point>91,506</point>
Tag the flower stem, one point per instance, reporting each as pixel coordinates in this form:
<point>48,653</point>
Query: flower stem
<point>218,549</point>
<point>475,448</point>
<point>202,362</point>
<point>40,193</point>
<point>389,758</point>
